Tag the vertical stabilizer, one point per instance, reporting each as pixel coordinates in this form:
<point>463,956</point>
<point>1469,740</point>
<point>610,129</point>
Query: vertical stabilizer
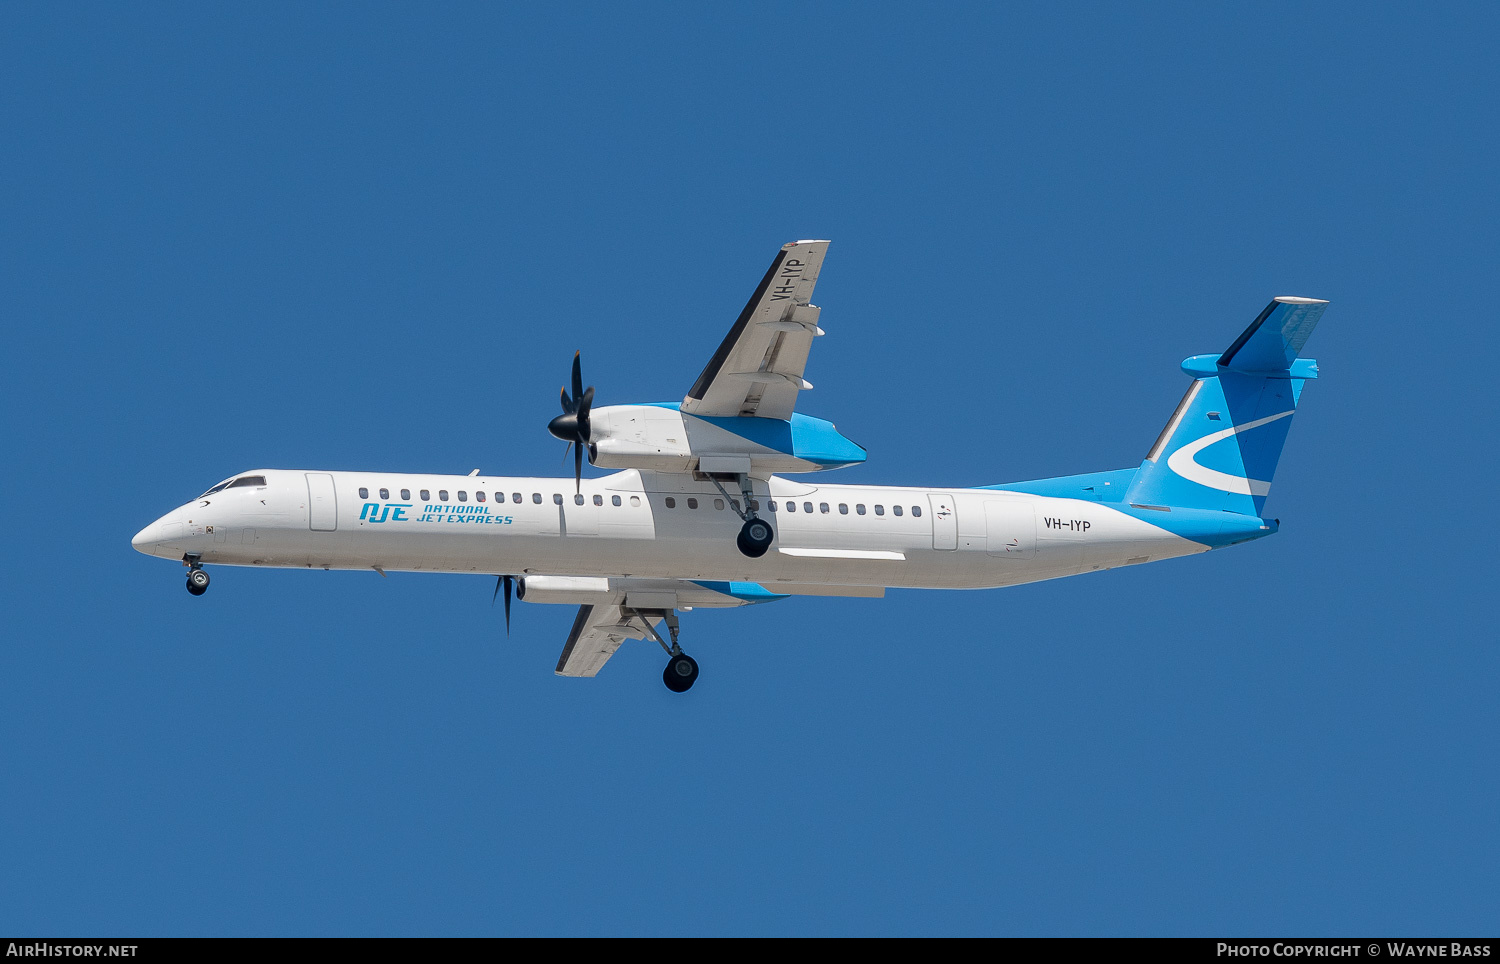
<point>1221,446</point>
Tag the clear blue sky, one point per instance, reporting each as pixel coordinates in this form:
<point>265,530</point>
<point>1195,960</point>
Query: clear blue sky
<point>360,236</point>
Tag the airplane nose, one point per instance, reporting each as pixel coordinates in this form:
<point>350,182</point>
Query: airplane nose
<point>145,540</point>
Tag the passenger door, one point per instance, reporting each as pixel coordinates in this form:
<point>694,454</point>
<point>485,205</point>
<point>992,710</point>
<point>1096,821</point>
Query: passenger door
<point>944,520</point>
<point>322,503</point>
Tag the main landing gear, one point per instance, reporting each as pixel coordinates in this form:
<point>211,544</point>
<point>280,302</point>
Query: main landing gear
<point>754,538</point>
<point>682,670</point>
<point>680,673</point>
<point>756,534</point>
<point>197,579</point>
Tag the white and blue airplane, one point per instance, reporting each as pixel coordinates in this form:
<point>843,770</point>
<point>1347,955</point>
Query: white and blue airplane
<point>701,512</point>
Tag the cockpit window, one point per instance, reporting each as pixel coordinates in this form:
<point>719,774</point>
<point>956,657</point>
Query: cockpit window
<point>222,485</point>
<point>248,480</point>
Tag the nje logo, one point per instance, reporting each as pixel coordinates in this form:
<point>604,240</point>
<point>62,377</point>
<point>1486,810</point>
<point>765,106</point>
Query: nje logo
<point>396,512</point>
<point>375,512</point>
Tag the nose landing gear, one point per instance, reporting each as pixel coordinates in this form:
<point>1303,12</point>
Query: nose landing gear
<point>197,579</point>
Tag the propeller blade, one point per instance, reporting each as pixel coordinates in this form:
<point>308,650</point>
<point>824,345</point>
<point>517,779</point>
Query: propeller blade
<point>567,403</point>
<point>584,404</point>
<point>498,581</point>
<point>565,452</point>
<point>508,581</point>
<point>577,377</point>
<point>578,469</point>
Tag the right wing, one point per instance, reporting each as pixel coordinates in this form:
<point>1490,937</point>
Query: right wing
<point>757,369</point>
<point>597,633</point>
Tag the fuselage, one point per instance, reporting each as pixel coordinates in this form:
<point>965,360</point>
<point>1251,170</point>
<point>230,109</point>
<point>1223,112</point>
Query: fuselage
<point>671,525</point>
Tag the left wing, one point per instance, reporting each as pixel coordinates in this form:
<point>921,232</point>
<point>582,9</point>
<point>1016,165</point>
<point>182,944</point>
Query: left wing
<point>619,608</point>
<point>597,633</point>
<point>757,370</point>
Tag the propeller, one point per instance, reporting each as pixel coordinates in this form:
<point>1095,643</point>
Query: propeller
<point>507,582</point>
<point>572,426</point>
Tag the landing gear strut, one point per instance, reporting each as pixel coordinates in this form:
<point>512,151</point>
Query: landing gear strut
<point>197,579</point>
<point>682,670</point>
<point>756,534</point>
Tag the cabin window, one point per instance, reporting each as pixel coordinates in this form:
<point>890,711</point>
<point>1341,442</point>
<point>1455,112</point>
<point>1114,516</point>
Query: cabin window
<point>770,505</point>
<point>916,510</point>
<point>478,496</point>
<point>599,499</point>
<point>807,507</point>
<point>442,495</point>
<point>406,495</point>
<point>536,497</point>
<point>635,500</point>
<point>843,508</point>
<point>692,503</point>
<point>719,504</point>
<point>557,498</point>
<point>385,493</point>
<point>859,507</point>
<point>247,480</point>
<point>671,502</point>
<point>578,499</point>
<point>425,495</point>
<point>895,510</point>
<point>463,496</point>
<point>880,510</point>
<point>791,506</point>
<point>823,507</point>
<point>515,497</point>
<point>364,493</point>
<point>615,499</point>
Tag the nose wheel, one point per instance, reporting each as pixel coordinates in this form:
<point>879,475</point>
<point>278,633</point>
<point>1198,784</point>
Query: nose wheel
<point>197,579</point>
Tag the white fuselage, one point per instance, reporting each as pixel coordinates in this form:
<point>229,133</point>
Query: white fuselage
<point>641,524</point>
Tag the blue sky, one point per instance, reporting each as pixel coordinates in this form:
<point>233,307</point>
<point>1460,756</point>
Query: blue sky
<point>359,236</point>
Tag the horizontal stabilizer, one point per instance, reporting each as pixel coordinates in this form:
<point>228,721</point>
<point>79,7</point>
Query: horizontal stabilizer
<point>1273,341</point>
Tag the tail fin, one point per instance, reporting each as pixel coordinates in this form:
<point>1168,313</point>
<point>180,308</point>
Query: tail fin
<point>1221,446</point>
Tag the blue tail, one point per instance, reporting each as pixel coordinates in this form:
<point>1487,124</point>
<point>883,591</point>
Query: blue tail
<point>1220,449</point>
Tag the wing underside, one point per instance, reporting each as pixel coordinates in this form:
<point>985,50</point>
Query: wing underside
<point>758,368</point>
<point>616,609</point>
<point>597,632</point>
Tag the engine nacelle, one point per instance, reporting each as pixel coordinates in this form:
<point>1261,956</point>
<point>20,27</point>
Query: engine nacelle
<point>661,438</point>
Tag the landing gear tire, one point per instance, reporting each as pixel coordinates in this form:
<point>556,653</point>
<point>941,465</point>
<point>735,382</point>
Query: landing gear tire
<point>680,674</point>
<point>197,582</point>
<point>755,538</point>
